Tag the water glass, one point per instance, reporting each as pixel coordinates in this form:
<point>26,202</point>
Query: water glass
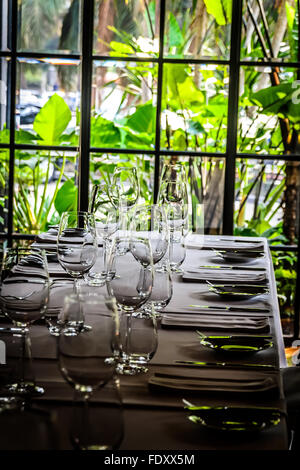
<point>162,291</point>
<point>138,343</point>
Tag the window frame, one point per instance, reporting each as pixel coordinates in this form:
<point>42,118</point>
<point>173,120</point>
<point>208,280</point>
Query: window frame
<point>87,59</point>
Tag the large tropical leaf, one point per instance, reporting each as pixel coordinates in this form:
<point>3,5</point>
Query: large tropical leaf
<point>66,198</point>
<point>281,100</point>
<point>104,133</point>
<point>143,120</point>
<point>52,120</point>
<point>220,10</point>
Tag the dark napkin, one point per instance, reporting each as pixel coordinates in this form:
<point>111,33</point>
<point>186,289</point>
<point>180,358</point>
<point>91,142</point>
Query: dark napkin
<point>49,237</point>
<point>226,324</point>
<point>216,380</point>
<point>221,243</point>
<point>227,275</point>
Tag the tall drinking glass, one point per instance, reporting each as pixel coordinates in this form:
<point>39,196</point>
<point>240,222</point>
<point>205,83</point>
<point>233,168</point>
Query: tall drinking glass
<point>131,279</point>
<point>24,293</point>
<point>124,189</point>
<point>83,363</point>
<point>77,244</point>
<point>107,223</point>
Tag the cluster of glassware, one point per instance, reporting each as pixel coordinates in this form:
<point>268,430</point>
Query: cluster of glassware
<point>128,249</point>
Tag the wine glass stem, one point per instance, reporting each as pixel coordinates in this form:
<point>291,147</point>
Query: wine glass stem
<point>25,347</point>
<point>104,255</point>
<point>76,286</point>
<point>128,334</point>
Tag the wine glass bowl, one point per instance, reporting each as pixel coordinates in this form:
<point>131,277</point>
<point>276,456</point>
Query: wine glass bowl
<point>130,277</point>
<point>76,243</point>
<point>83,359</point>
<point>150,222</point>
<point>106,223</point>
<point>24,294</point>
<point>124,189</point>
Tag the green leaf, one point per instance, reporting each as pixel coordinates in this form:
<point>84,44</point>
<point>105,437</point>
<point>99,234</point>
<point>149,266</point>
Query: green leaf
<point>66,198</point>
<point>273,98</point>
<point>121,49</point>
<point>175,34</point>
<point>220,10</point>
<point>290,15</point>
<point>104,133</point>
<point>143,120</point>
<point>52,120</point>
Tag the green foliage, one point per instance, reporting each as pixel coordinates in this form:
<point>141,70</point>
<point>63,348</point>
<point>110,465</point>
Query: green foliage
<point>66,198</point>
<point>52,120</point>
<point>220,10</point>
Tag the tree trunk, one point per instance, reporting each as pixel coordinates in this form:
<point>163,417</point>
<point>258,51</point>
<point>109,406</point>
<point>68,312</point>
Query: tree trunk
<point>291,201</point>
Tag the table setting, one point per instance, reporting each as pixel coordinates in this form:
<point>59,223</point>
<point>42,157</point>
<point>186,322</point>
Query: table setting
<point>172,339</point>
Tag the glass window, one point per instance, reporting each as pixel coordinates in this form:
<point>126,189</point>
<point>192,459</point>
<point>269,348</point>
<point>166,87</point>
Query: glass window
<point>5,26</point>
<point>45,187</point>
<point>205,177</point>
<point>4,99</point>
<point>270,30</point>
<point>123,28</point>
<point>49,26</point>
<point>197,29</point>
<point>48,100</point>
<point>268,110</point>
<point>123,104</point>
<point>194,107</point>
<point>103,165</point>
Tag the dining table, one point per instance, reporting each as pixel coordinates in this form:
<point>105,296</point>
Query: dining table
<point>150,411</point>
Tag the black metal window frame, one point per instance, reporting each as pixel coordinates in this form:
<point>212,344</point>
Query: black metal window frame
<point>86,58</point>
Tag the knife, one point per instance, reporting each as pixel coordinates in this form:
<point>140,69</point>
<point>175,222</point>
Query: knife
<point>210,266</point>
<point>224,365</point>
<point>231,309</point>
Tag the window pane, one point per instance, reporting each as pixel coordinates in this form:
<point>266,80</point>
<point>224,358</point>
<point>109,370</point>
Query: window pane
<point>268,113</point>
<point>49,26</point>
<point>279,33</point>
<point>103,165</point>
<point>259,189</point>
<point>194,107</point>
<point>197,30</point>
<point>123,28</point>
<point>285,265</point>
<point>45,186</point>
<point>48,100</point>
<point>5,26</point>
<point>206,188</point>
<point>4,166</point>
<point>123,111</point>
<point>4,103</point>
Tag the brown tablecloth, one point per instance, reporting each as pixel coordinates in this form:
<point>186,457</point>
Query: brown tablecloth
<point>155,419</point>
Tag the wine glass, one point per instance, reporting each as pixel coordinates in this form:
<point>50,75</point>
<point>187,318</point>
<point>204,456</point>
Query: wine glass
<point>150,222</point>
<point>124,189</point>
<point>107,223</point>
<point>162,290</point>
<point>24,293</point>
<point>77,244</point>
<point>138,343</point>
<point>173,172</point>
<point>131,278</point>
<point>124,192</point>
<point>82,360</point>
